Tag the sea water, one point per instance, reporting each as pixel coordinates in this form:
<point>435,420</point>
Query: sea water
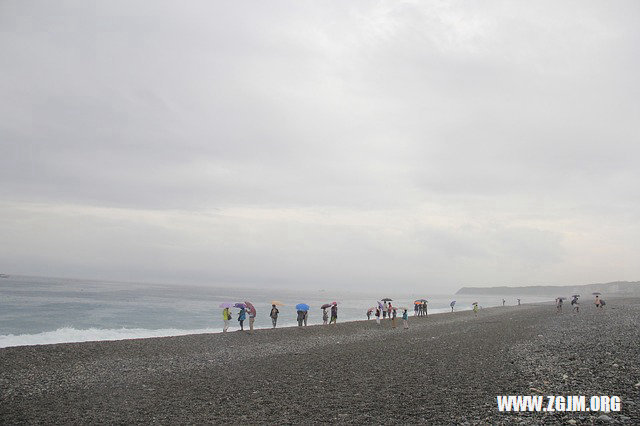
<point>40,310</point>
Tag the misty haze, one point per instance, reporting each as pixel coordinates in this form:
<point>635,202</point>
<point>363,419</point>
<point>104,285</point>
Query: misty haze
<point>443,191</point>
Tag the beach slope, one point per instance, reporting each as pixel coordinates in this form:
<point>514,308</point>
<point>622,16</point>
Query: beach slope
<point>445,368</point>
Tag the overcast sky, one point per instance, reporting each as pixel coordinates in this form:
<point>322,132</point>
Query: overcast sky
<point>319,144</point>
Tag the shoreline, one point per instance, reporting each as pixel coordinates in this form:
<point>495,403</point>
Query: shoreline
<point>36,339</point>
<point>445,368</point>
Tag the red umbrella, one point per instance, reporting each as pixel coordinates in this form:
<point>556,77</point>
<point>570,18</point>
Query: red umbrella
<point>250,308</point>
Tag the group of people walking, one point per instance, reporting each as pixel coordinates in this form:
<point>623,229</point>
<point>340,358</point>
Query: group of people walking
<point>575,303</point>
<point>392,313</point>
<point>420,309</point>
<point>329,316</point>
<point>242,316</point>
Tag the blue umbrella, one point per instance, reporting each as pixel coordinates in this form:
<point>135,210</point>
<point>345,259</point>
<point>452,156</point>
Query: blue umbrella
<point>452,303</point>
<point>302,307</point>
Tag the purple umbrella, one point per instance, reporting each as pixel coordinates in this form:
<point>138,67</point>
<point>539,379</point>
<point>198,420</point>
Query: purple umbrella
<point>240,305</point>
<point>226,305</point>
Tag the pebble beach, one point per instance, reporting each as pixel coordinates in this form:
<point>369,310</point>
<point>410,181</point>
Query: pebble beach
<point>446,368</point>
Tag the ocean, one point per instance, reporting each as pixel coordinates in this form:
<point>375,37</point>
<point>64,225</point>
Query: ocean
<point>42,310</point>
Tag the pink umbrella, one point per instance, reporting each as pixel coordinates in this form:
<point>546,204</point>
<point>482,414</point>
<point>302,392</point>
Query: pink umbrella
<point>250,308</point>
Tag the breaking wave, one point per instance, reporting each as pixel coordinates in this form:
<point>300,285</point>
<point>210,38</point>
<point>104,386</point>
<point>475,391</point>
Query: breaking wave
<point>70,335</point>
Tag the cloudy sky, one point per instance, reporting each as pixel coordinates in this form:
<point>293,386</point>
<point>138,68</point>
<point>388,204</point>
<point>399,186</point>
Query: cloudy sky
<point>359,144</point>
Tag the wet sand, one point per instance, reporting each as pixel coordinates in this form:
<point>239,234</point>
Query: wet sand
<point>447,368</point>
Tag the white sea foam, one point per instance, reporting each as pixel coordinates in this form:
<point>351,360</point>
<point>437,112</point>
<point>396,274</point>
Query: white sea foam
<point>69,335</point>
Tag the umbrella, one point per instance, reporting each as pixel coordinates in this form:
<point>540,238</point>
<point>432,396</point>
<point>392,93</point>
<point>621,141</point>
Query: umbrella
<point>240,305</point>
<point>302,307</point>
<point>421,300</point>
<point>561,298</point>
<point>251,308</point>
<point>371,309</point>
<point>276,302</point>
<point>596,293</point>
<point>474,303</point>
<point>575,295</point>
<point>417,302</point>
<point>452,303</point>
<point>386,299</point>
<point>226,305</point>
<point>325,306</point>
<point>380,305</point>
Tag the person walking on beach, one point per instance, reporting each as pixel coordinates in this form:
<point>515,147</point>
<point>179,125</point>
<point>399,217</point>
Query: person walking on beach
<point>598,302</point>
<point>306,316</point>
<point>242,315</point>
<point>325,316</point>
<point>274,315</point>
<point>378,315</point>
<point>389,308</point>
<point>226,317</point>
<point>252,318</point>
<point>405,320</point>
<point>475,309</point>
<point>518,302</point>
<point>559,305</point>
<point>300,318</point>
<point>416,309</point>
<point>368,314</point>
<point>576,305</point>
<point>424,306</point>
<point>334,314</point>
<point>393,318</point>
<point>503,301</point>
<point>384,311</point>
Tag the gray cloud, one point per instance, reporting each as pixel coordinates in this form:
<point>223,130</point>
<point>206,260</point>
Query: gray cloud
<point>431,144</point>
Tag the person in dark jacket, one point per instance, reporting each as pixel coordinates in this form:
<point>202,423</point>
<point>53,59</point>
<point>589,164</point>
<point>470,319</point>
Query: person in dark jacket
<point>242,315</point>
<point>334,314</point>
<point>300,318</point>
<point>274,315</point>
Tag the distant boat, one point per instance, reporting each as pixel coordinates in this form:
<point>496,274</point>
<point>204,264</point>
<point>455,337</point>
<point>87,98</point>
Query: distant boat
<point>4,276</point>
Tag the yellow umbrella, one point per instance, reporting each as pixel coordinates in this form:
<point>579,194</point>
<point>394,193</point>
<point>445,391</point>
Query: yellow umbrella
<point>276,302</point>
